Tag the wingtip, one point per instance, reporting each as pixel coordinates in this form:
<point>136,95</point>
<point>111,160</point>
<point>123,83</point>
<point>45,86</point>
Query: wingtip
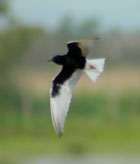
<point>59,131</point>
<point>60,134</point>
<point>72,41</point>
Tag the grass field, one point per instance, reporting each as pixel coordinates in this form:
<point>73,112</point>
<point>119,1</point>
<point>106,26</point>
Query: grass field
<point>104,119</point>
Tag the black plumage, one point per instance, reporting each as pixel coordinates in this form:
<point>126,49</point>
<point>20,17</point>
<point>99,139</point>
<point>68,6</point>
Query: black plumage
<point>72,61</point>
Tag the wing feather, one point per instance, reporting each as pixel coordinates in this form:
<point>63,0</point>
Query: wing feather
<point>80,47</point>
<point>60,103</point>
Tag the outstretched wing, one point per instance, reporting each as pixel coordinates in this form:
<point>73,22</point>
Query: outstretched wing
<point>61,95</point>
<point>74,49</point>
<point>80,47</point>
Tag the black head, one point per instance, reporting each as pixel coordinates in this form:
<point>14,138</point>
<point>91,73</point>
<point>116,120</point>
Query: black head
<point>58,59</point>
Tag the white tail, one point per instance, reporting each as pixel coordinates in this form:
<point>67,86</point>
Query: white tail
<point>94,68</point>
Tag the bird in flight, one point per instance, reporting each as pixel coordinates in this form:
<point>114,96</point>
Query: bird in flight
<point>74,64</point>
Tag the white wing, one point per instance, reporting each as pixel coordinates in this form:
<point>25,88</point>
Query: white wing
<point>60,103</point>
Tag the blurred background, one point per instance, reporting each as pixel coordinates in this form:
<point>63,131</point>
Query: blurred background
<point>103,125</point>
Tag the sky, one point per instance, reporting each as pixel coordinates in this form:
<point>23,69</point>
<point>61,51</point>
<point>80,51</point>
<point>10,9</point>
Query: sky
<point>124,14</point>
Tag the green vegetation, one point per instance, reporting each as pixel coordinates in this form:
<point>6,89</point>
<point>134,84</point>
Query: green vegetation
<point>91,127</point>
<point>106,120</point>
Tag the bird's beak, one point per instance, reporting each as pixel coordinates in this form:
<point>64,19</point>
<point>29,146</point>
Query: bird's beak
<point>50,60</point>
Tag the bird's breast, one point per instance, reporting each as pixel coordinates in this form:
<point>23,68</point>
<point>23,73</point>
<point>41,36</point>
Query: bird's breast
<point>77,63</point>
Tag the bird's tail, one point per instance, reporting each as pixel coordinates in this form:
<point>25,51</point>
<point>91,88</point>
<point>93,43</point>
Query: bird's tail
<point>94,68</point>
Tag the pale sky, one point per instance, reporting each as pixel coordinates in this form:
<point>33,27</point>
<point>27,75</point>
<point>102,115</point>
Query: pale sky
<point>110,13</point>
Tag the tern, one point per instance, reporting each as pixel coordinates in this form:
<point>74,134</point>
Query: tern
<point>74,64</point>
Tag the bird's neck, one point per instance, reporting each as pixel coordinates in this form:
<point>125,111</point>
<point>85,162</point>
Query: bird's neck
<point>61,60</point>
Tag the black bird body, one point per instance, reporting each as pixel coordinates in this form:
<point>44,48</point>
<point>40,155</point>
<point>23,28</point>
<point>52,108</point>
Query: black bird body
<point>74,63</point>
<point>70,64</point>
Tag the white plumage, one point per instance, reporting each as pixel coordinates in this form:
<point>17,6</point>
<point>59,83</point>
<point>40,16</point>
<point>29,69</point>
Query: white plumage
<point>60,104</point>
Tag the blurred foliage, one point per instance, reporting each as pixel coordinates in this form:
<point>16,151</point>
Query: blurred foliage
<point>15,40</point>
<point>6,13</point>
<point>89,127</point>
<point>69,29</point>
<point>94,106</point>
<point>13,45</point>
<point>3,6</point>
<point>92,124</point>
